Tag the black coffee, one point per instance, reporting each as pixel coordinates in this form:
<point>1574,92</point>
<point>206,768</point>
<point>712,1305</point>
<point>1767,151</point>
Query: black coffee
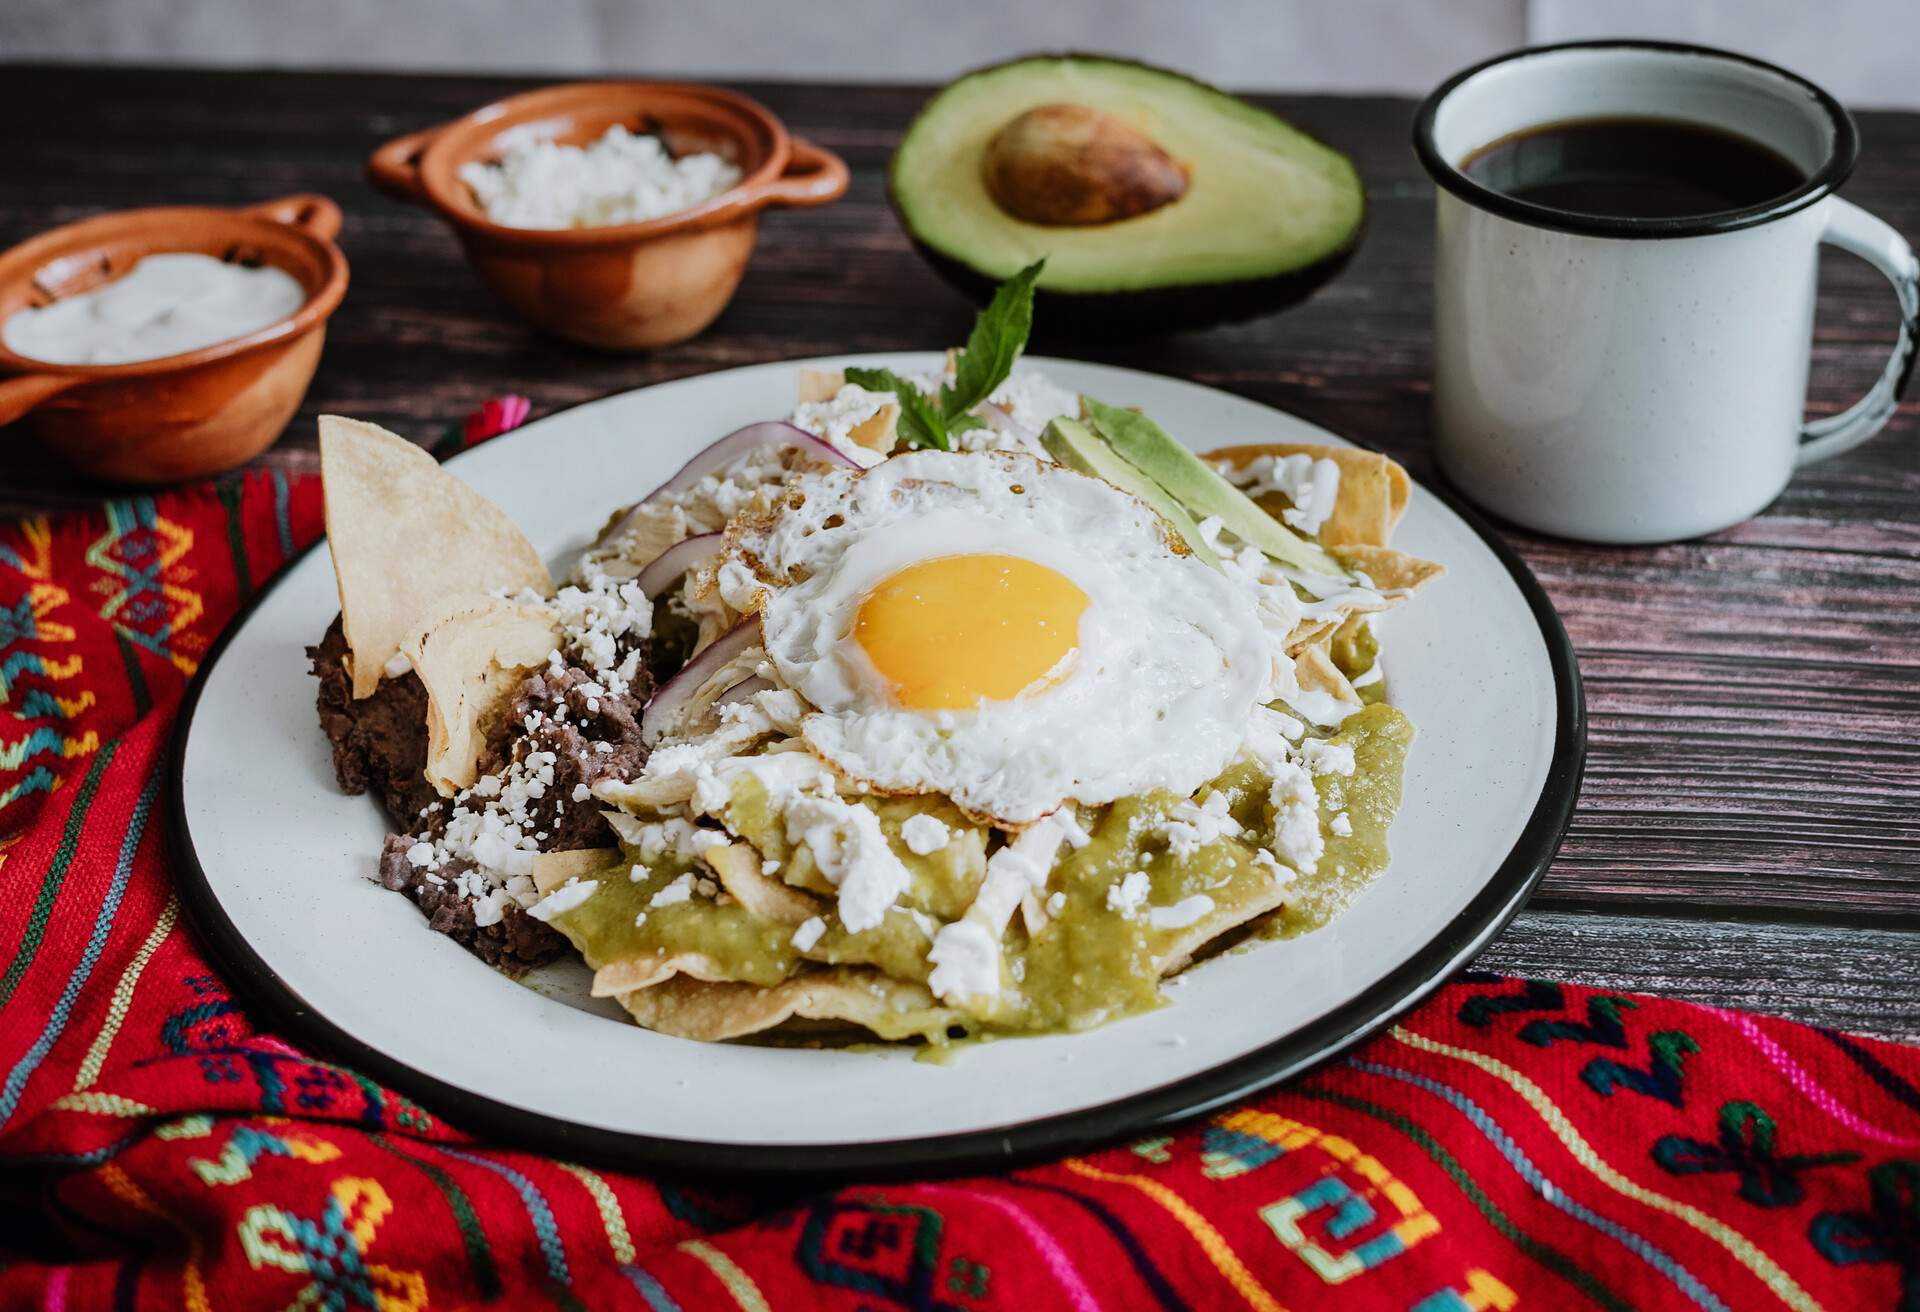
<point>1634,168</point>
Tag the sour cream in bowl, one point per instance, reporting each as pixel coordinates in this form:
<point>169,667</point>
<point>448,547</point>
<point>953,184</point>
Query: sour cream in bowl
<point>155,345</point>
<point>164,305</point>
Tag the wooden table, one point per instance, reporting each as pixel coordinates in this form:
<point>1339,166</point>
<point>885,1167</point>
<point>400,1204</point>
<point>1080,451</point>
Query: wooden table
<point>1749,832</point>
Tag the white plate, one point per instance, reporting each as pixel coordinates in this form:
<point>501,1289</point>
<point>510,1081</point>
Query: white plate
<point>277,863</point>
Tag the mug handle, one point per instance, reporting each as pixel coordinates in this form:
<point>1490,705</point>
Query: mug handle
<point>1854,230</point>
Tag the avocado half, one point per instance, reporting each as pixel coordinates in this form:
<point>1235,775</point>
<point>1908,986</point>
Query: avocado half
<point>1159,202</point>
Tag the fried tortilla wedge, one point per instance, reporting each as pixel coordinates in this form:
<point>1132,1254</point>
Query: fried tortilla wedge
<point>552,869</point>
<point>1251,892</point>
<point>650,969</point>
<point>1390,570</point>
<point>1312,631</point>
<point>1373,489</point>
<point>877,433</point>
<point>471,653</point>
<point>407,536</point>
<point>738,867</point>
<point>691,1008</point>
<point>817,385</point>
<point>1315,670</point>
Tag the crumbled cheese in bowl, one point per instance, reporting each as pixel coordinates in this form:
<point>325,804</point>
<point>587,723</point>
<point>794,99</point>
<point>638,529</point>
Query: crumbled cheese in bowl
<point>621,178</point>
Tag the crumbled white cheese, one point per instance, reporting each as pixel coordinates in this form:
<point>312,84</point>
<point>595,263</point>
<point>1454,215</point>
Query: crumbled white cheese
<point>621,178</point>
<point>1190,828</point>
<point>1181,914</point>
<point>490,908</point>
<point>966,953</point>
<point>680,889</point>
<point>593,616</point>
<point>1275,871</point>
<point>654,839</point>
<point>1342,825</point>
<point>851,850</point>
<point>809,933</point>
<point>1311,484</point>
<point>1322,756</point>
<point>834,420</point>
<point>1031,400</point>
<point>564,898</point>
<point>1127,896</point>
<point>397,665</point>
<point>1070,828</point>
<point>1056,904</point>
<point>1296,818</point>
<point>966,961</point>
<point>1270,586</point>
<point>924,834</point>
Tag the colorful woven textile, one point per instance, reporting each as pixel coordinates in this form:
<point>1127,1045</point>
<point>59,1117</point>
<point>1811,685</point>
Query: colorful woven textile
<point>1511,1144</point>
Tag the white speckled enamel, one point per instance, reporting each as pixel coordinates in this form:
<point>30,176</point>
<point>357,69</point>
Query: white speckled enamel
<point>1638,389</point>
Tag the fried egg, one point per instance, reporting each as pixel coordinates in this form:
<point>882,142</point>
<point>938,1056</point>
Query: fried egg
<point>1001,630</point>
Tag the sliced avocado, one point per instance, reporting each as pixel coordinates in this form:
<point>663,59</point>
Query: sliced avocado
<point>1148,447</point>
<point>1159,202</point>
<point>1071,443</point>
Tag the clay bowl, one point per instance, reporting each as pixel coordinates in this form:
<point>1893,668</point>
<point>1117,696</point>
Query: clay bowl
<point>630,286</point>
<point>180,416</point>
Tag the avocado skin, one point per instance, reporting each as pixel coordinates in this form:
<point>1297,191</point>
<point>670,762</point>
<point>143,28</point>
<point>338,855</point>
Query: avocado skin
<point>1154,311</point>
<point>1148,312</point>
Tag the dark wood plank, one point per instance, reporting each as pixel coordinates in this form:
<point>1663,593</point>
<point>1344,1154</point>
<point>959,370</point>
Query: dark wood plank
<point>1865,980</point>
<point>1755,697</point>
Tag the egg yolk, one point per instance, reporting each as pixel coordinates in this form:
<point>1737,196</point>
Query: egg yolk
<point>952,630</point>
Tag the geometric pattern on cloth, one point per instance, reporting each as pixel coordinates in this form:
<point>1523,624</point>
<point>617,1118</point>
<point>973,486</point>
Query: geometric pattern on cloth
<point>1510,1144</point>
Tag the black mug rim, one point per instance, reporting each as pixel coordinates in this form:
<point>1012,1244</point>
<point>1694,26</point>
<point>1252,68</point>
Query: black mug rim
<point>1821,183</point>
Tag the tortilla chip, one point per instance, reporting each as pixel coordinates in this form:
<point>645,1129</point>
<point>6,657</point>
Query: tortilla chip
<point>650,969</point>
<point>552,869</point>
<point>1315,670</point>
<point>469,652</point>
<point>1252,893</point>
<point>406,536</point>
<point>696,1009</point>
<point>818,385</point>
<point>1311,631</point>
<point>879,432</point>
<point>1373,489</point>
<point>738,867</point>
<point>1390,570</point>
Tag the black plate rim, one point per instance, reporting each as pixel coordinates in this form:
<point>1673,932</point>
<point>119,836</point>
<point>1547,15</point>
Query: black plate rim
<point>272,999</point>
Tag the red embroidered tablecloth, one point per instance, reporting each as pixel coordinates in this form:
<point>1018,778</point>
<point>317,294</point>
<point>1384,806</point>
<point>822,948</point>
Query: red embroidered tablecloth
<point>1510,1144</point>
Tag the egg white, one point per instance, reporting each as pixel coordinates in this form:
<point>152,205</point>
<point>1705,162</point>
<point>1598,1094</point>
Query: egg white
<point>1172,655</point>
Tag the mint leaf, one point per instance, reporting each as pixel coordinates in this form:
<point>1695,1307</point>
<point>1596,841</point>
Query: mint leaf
<point>921,424</point>
<point>999,335</point>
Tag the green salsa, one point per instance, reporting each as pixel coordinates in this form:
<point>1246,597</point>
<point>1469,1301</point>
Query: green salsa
<point>1093,957</point>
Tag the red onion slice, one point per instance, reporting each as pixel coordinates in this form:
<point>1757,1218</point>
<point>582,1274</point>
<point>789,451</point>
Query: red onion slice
<point>751,438</point>
<point>725,452</point>
<point>676,560</point>
<point>664,709</point>
<point>743,690</point>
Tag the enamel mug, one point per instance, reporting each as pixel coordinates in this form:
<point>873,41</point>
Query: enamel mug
<point>1640,380</point>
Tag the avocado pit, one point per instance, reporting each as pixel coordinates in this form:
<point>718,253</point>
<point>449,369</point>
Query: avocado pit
<point>1065,165</point>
